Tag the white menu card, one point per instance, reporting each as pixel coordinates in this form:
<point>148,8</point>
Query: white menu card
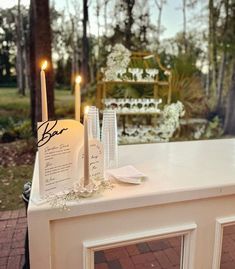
<point>58,143</point>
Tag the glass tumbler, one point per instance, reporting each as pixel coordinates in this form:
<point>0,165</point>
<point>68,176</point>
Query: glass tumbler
<point>94,123</point>
<point>109,138</point>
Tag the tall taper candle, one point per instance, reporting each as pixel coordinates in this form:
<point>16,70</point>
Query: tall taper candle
<point>77,98</point>
<point>44,92</point>
<point>86,147</point>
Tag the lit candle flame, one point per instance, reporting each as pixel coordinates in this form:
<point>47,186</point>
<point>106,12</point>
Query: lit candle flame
<point>78,79</point>
<point>86,110</point>
<point>44,65</point>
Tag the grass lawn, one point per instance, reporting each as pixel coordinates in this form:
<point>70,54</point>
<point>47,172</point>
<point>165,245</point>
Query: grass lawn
<point>17,107</point>
<point>12,181</point>
<point>17,158</point>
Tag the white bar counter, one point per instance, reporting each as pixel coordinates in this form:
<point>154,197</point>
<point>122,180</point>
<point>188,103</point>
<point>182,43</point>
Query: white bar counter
<point>190,190</point>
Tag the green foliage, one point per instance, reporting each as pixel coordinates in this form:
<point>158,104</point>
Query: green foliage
<point>14,131</point>
<point>187,87</point>
<point>211,130</point>
<point>23,130</point>
<point>214,129</point>
<point>184,64</point>
<point>189,91</point>
<point>129,91</point>
<point>14,110</point>
<point>6,122</point>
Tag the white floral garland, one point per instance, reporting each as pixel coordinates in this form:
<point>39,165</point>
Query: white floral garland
<point>61,200</point>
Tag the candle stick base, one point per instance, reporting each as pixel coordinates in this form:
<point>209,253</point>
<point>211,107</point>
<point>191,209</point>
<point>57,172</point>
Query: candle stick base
<point>94,187</point>
<point>88,190</point>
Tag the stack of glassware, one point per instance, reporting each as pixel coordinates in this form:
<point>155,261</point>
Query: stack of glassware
<point>133,106</point>
<point>109,138</point>
<point>109,134</point>
<point>94,122</point>
<point>135,74</point>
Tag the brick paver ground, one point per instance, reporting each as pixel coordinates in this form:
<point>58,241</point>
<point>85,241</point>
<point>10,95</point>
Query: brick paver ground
<point>160,254</point>
<point>228,248</point>
<point>12,235</point>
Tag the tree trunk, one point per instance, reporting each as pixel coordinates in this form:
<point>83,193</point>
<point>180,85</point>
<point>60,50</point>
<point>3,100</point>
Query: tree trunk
<point>159,5</point>
<point>6,60</point>
<point>129,22</point>
<point>40,50</point>
<point>74,69</point>
<point>32,65</point>
<point>223,60</point>
<point>85,46</point>
<point>208,75</point>
<point>229,125</point>
<point>98,26</point>
<point>213,17</point>
<point>159,24</point>
<point>92,69</point>
<point>105,17</point>
<point>20,43</point>
<point>184,26</point>
<point>221,82</point>
<point>26,65</point>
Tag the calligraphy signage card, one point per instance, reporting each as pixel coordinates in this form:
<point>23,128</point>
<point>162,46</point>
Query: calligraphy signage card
<point>96,161</point>
<point>58,146</point>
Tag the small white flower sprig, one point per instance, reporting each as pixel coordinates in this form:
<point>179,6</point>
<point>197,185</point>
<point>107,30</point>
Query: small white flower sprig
<point>117,60</point>
<point>171,120</point>
<point>79,192</point>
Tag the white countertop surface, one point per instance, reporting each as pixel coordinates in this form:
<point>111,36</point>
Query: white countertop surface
<point>178,171</point>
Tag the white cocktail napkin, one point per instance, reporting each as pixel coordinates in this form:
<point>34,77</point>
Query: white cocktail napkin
<point>128,174</point>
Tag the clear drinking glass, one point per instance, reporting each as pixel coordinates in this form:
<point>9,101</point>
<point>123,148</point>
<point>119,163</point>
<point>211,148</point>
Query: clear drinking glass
<point>94,122</point>
<point>109,138</point>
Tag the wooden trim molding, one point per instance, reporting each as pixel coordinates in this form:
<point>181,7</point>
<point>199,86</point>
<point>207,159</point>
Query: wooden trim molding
<point>188,231</point>
<point>219,227</point>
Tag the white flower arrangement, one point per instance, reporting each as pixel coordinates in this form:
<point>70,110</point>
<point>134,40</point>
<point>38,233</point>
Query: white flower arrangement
<point>120,56</point>
<point>117,60</point>
<point>171,120</point>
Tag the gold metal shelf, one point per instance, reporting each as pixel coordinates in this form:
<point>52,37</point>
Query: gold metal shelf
<point>138,113</point>
<point>160,83</point>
